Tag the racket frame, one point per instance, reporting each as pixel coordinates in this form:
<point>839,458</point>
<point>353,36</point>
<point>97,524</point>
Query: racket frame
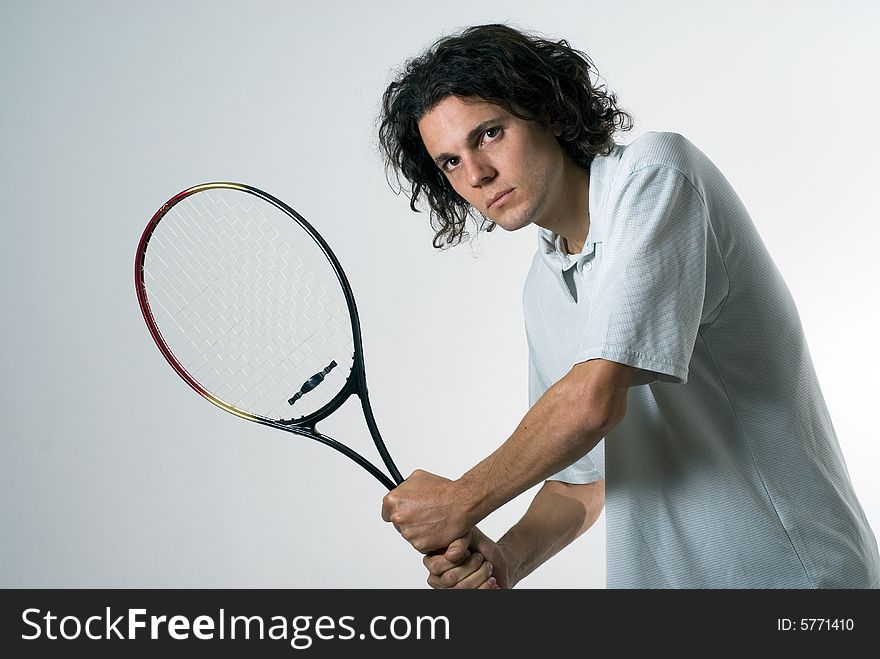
<point>356,383</point>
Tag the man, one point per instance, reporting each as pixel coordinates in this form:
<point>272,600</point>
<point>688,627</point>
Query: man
<point>664,346</point>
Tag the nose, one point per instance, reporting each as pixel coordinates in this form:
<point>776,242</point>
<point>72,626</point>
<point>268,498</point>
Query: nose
<point>479,170</point>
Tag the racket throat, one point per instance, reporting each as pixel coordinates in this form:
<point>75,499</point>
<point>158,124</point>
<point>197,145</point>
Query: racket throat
<point>312,382</point>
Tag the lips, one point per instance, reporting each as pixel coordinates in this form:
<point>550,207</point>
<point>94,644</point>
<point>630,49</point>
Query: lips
<point>499,198</point>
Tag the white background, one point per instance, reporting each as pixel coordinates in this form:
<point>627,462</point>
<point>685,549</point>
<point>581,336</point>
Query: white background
<point>113,473</point>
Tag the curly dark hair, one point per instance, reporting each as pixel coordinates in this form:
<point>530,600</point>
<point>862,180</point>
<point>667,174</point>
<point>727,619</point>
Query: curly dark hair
<point>531,77</point>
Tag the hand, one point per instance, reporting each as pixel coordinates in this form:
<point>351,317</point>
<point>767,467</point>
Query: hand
<point>472,561</point>
<point>429,511</point>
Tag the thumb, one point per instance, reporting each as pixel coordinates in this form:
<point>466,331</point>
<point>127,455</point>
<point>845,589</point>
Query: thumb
<point>480,542</point>
<point>457,550</point>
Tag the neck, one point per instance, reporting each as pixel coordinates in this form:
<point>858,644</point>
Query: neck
<point>572,219</point>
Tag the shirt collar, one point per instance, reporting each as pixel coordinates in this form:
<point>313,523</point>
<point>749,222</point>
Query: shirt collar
<point>555,255</point>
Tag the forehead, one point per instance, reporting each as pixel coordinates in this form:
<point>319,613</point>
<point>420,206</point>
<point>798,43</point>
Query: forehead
<point>446,125</point>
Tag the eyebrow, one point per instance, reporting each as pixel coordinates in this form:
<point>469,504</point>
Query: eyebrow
<point>472,136</point>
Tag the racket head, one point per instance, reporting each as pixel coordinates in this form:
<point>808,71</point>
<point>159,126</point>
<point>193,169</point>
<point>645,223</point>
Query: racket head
<point>248,303</point>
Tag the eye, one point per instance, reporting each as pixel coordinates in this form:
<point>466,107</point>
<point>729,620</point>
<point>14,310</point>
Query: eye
<point>490,134</point>
<point>450,164</point>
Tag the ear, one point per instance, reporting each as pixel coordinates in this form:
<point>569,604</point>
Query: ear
<point>555,127</point>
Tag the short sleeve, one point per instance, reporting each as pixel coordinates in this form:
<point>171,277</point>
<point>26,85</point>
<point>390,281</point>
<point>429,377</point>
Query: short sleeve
<point>651,278</point>
<point>588,469</point>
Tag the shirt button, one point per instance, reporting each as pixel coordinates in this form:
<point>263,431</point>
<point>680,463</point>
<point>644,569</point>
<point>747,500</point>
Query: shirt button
<point>588,265</point>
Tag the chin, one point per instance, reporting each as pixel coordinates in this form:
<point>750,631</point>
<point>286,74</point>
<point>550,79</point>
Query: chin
<point>511,223</point>
<point>513,226</point>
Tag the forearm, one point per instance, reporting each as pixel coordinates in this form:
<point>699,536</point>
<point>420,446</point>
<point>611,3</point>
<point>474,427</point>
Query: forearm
<point>558,514</point>
<point>430,512</point>
<point>563,426</point>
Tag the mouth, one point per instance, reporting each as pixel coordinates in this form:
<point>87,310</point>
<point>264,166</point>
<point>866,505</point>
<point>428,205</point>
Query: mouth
<point>499,199</point>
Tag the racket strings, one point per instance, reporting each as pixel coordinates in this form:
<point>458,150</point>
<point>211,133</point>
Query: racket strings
<point>248,303</point>
<point>253,324</point>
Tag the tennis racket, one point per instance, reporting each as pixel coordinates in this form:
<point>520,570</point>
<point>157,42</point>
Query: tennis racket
<point>252,309</point>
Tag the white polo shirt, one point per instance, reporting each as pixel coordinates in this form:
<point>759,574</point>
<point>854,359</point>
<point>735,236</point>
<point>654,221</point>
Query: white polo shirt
<point>726,471</point>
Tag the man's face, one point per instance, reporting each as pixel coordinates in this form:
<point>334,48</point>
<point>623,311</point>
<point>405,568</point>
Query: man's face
<point>509,169</point>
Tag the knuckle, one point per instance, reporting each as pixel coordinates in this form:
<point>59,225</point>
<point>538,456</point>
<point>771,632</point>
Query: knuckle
<point>448,579</point>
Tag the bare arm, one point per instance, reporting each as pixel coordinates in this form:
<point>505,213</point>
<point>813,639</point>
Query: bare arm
<point>558,514</point>
<point>565,423</point>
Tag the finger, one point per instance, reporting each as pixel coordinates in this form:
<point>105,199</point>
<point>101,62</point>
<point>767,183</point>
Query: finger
<point>490,584</point>
<point>442,557</point>
<point>458,549</point>
<point>450,577</point>
<point>477,578</point>
<point>453,577</point>
<point>438,564</point>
